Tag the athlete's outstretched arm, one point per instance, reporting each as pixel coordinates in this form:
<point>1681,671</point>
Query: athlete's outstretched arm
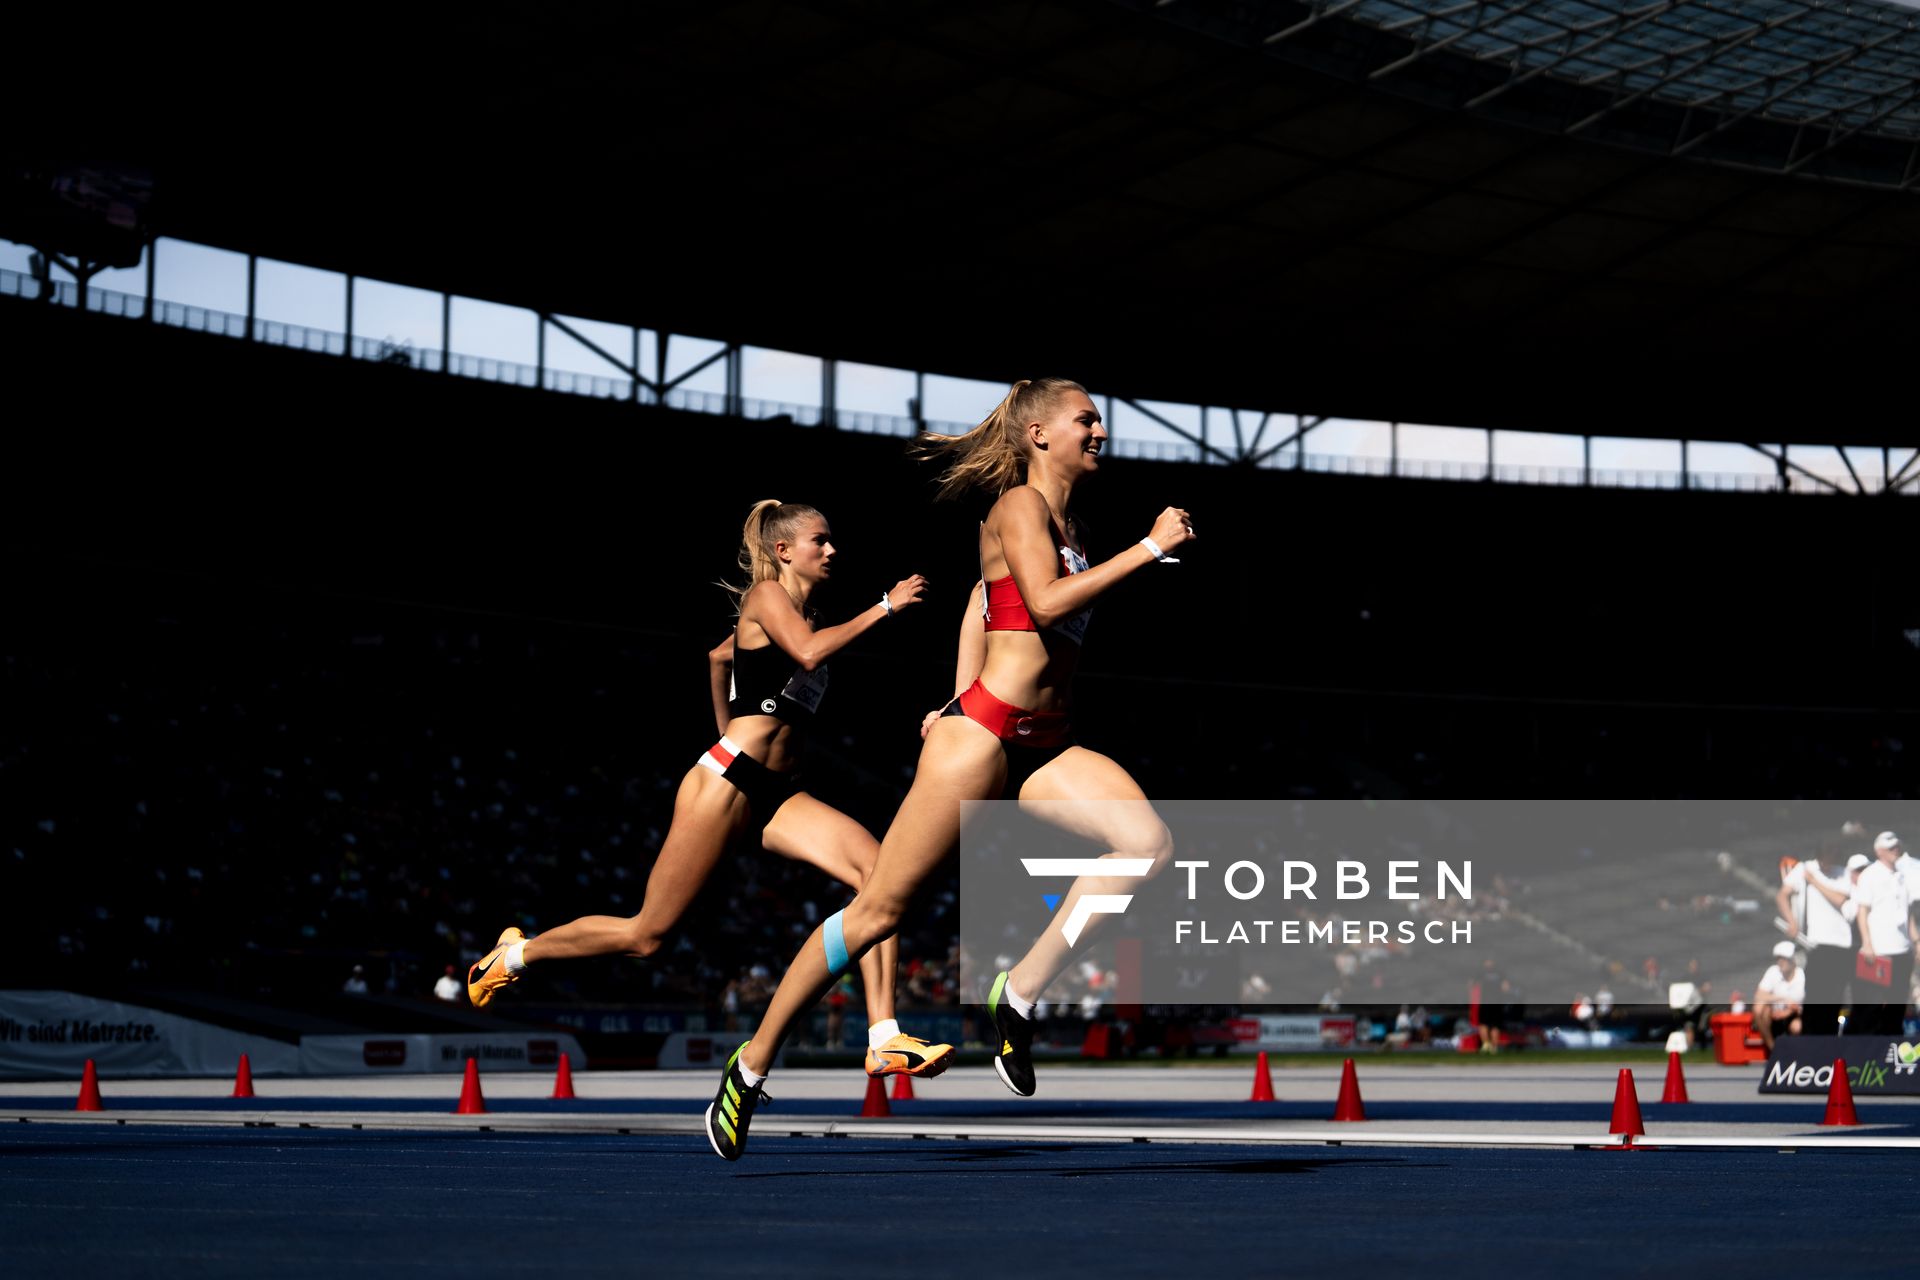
<point>719,668</point>
<point>771,607</point>
<point>1023,525</point>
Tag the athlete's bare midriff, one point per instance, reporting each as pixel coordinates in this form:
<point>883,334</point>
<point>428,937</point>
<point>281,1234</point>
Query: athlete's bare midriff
<point>768,739</point>
<point>1031,669</point>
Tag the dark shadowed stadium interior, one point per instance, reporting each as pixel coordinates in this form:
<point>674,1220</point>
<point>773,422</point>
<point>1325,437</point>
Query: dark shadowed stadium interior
<point>316,660</point>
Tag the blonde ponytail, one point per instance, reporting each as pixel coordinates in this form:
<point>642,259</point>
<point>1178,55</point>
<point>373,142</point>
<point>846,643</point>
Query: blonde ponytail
<point>993,456</point>
<point>768,523</point>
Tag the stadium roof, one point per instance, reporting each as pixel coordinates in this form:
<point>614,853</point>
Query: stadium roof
<point>1683,217</point>
<point>1840,70</point>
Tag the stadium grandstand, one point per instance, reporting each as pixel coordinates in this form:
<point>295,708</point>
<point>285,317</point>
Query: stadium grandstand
<point>1533,372</point>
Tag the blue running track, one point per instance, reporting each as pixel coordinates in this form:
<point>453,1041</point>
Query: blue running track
<point>136,1201</point>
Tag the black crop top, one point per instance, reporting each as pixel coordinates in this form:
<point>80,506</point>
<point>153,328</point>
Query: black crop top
<point>767,682</point>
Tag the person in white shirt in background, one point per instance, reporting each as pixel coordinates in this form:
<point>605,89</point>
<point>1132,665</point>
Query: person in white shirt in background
<point>1780,996</point>
<point>1886,931</point>
<point>449,988</point>
<point>1906,866</point>
<point>1815,905</point>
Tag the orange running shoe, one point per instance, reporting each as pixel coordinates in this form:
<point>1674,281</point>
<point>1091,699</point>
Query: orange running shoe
<point>908,1056</point>
<point>491,973</point>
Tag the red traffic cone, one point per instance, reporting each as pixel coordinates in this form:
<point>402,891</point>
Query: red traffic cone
<point>243,1079</point>
<point>1676,1090</point>
<point>471,1103</point>
<point>89,1090</point>
<point>875,1107</point>
<point>903,1088</point>
<point>1349,1106</point>
<point>1626,1108</point>
<point>1262,1081</point>
<point>1840,1097</point>
<point>563,1078</point>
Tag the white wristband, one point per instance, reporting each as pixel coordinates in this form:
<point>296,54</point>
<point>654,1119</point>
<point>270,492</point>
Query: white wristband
<point>886,602</point>
<point>1158,554</point>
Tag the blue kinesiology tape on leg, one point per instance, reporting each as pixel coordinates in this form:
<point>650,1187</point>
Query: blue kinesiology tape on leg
<point>835,936</point>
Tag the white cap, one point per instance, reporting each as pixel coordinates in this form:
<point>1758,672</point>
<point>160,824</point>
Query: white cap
<point>1858,861</point>
<point>1783,951</point>
<point>1886,840</point>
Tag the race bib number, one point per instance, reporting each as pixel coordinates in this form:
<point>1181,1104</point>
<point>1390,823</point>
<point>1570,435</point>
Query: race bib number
<point>807,687</point>
<point>1074,628</point>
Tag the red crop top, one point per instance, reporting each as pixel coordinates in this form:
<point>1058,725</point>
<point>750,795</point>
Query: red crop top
<point>1004,610</point>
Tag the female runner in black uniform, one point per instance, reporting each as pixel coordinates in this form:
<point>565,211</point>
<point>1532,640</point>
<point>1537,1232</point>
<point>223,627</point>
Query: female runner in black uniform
<point>744,782</point>
<point>1006,734</point>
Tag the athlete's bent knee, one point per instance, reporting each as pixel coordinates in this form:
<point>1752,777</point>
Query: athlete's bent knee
<point>1157,843</point>
<point>867,922</point>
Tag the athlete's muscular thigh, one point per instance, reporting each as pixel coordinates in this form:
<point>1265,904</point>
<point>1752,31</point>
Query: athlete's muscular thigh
<point>1088,794</point>
<point>961,761</point>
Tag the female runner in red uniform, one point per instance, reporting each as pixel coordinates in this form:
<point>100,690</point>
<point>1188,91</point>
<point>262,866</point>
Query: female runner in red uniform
<point>768,679</point>
<point>1005,734</point>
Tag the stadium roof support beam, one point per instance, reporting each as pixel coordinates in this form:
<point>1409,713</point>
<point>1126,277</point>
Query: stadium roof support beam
<point>631,370</point>
<point>1198,441</point>
<point>1713,51</point>
<point>1423,46</point>
<point>1728,121</point>
<point>1259,434</point>
<point>1615,25</point>
<point>1299,436</point>
<point>1321,12</point>
<point>1835,139</point>
<point>1859,485</point>
<point>726,353</point>
<point>1786,464</point>
<point>1900,479</point>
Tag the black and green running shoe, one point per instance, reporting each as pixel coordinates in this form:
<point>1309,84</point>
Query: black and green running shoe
<point>1014,1061</point>
<point>732,1110</point>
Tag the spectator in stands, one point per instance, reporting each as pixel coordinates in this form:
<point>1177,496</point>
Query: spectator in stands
<point>1692,1006</point>
<point>448,987</point>
<point>1886,934</point>
<point>356,983</point>
<point>1813,903</point>
<point>1499,1006</point>
<point>1779,996</point>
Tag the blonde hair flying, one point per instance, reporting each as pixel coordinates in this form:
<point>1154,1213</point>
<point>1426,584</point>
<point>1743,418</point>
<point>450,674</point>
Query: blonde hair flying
<point>993,456</point>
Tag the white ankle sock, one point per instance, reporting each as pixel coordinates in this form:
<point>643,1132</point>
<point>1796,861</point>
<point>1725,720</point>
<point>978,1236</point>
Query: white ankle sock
<point>881,1032</point>
<point>516,959</point>
<point>748,1075</point>
<point>1021,1005</point>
